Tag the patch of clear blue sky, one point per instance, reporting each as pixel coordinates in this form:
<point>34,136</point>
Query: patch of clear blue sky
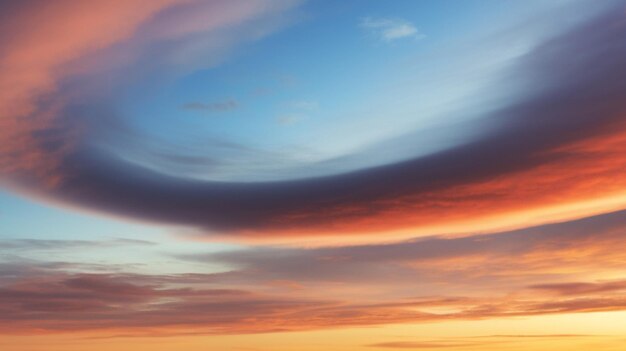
<point>327,60</point>
<point>22,218</point>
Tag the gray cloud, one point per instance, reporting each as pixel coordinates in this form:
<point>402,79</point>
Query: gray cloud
<point>216,106</point>
<point>42,244</point>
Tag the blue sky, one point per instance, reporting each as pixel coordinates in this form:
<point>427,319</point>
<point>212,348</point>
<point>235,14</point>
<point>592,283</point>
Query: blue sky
<point>292,96</point>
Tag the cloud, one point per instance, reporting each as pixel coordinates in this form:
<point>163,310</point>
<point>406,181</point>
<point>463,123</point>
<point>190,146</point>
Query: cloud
<point>577,288</point>
<point>42,244</point>
<point>390,29</point>
<point>535,271</point>
<point>23,80</point>
<point>477,342</point>
<point>508,260</point>
<point>99,39</point>
<point>136,304</point>
<point>217,106</point>
<point>424,345</point>
<point>555,144</point>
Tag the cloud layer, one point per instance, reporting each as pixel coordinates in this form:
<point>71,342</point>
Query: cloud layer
<point>551,269</point>
<point>555,144</point>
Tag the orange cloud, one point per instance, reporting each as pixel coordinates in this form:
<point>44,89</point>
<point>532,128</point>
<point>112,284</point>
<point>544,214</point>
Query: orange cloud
<point>62,303</point>
<point>581,171</point>
<point>47,43</point>
<point>44,40</point>
<point>562,268</point>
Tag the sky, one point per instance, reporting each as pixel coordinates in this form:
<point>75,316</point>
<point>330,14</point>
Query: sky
<point>269,175</point>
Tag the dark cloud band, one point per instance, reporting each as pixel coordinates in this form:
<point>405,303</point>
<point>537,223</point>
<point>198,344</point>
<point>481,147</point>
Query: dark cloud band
<point>577,93</point>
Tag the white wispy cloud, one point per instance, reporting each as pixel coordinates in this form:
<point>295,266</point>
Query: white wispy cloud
<point>389,29</point>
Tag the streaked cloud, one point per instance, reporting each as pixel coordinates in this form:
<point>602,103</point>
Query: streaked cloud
<point>476,342</point>
<point>216,106</point>
<point>41,244</point>
<point>530,272</point>
<point>426,345</point>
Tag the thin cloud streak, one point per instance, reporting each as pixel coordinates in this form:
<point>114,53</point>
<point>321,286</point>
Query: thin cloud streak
<point>218,106</point>
<point>390,29</point>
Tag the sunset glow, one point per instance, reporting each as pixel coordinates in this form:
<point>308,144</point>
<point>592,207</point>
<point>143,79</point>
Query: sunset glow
<point>272,175</point>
